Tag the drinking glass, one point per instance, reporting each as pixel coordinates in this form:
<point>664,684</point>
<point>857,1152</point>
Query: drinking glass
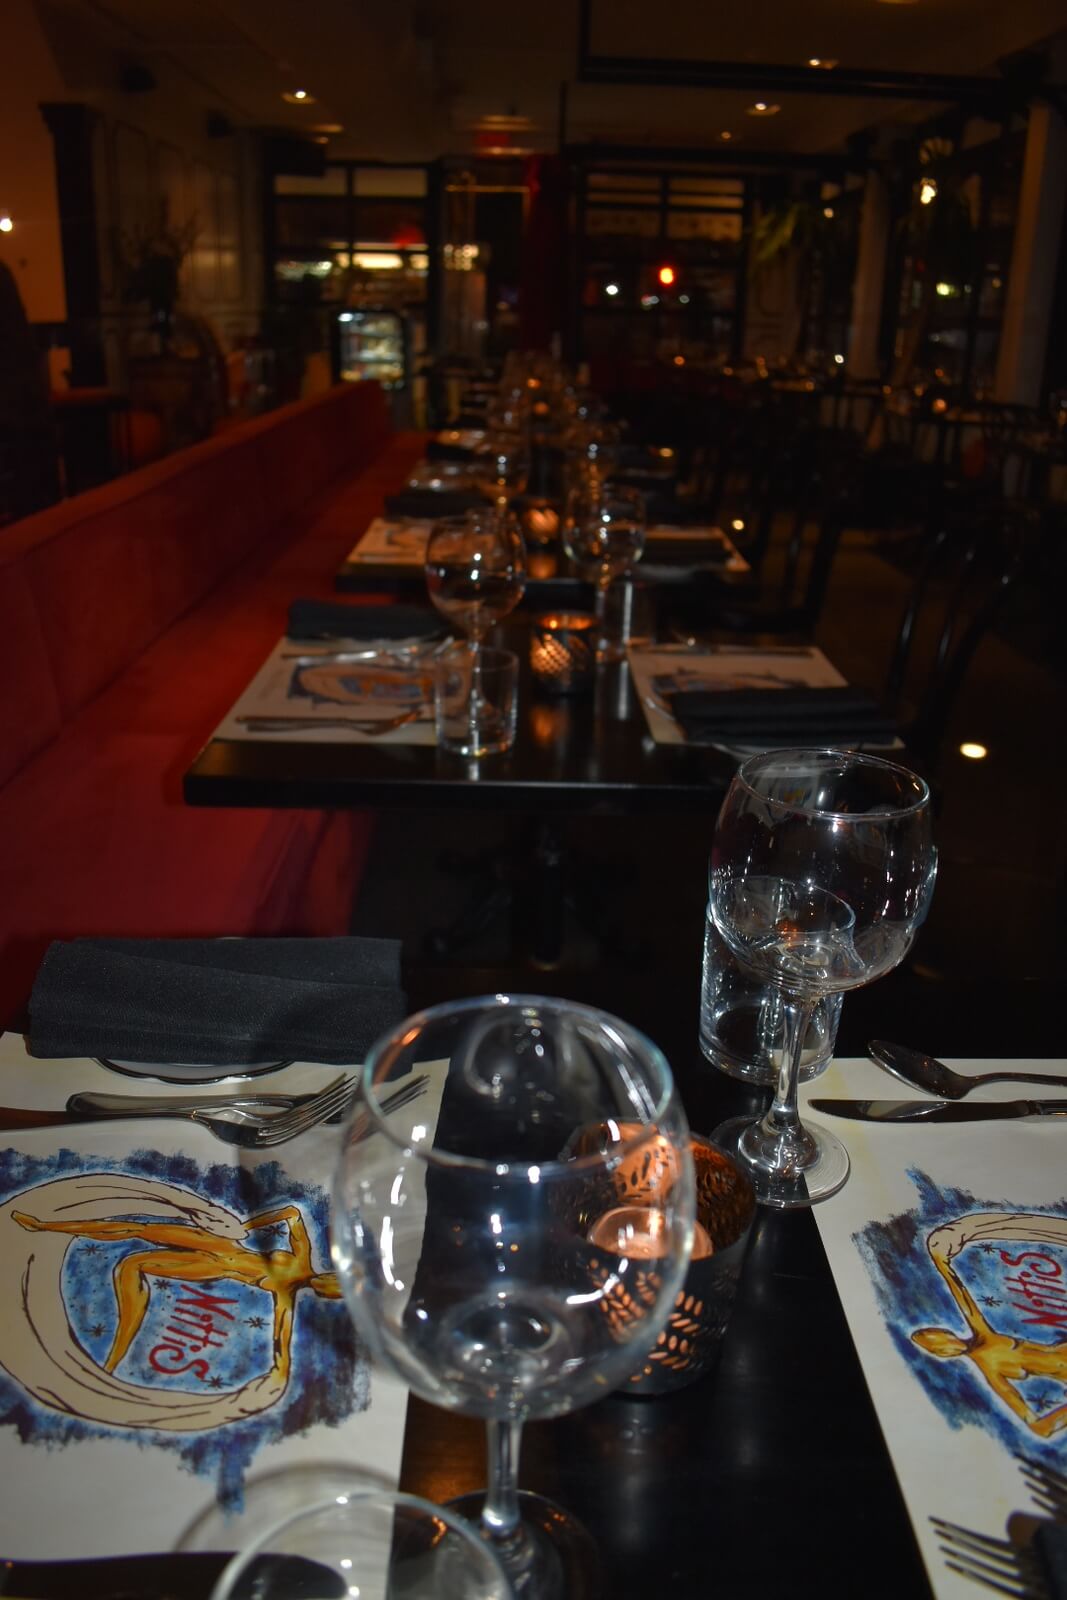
<point>822,870</point>
<point>476,570</point>
<point>483,1261</point>
<point>365,1540</point>
<point>604,535</point>
<point>502,467</point>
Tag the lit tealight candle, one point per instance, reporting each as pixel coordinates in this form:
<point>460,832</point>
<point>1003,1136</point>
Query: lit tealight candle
<point>641,1231</point>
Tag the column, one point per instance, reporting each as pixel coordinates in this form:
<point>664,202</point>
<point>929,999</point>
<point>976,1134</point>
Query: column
<point>868,284</point>
<point>1035,251</point>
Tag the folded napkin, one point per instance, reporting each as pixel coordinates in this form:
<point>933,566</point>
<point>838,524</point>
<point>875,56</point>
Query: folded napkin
<point>432,502</point>
<point>782,716</point>
<point>216,1002</point>
<point>333,619</point>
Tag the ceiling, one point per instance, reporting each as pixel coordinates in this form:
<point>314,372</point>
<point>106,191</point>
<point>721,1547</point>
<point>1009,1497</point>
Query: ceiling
<point>418,78</point>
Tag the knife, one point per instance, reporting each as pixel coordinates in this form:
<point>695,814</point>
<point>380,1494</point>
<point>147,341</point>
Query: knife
<point>939,1110</point>
<point>182,1575</point>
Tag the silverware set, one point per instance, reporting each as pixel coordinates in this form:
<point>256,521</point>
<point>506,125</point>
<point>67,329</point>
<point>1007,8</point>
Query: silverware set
<point>250,1120</point>
<point>1031,1562</point>
<point>950,1088</point>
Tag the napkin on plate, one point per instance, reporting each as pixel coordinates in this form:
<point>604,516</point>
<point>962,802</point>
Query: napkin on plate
<point>432,502</point>
<point>216,1002</point>
<point>781,716</point>
<point>333,619</point>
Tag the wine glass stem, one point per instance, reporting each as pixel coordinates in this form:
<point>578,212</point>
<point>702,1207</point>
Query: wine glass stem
<point>500,1513</point>
<point>783,1116</point>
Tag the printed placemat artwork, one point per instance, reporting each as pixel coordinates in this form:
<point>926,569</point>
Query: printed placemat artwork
<point>948,1245</point>
<point>365,695</point>
<point>174,1329</point>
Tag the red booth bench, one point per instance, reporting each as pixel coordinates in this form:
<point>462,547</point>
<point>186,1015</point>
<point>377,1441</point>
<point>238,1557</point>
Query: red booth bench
<point>130,619</point>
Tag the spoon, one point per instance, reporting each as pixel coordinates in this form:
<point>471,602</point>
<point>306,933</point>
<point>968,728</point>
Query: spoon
<point>933,1077</point>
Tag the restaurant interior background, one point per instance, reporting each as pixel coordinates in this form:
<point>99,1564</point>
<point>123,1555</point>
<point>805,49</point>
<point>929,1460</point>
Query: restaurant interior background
<point>211,207</point>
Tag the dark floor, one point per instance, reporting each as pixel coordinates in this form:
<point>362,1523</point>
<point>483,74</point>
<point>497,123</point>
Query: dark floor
<point>983,976</point>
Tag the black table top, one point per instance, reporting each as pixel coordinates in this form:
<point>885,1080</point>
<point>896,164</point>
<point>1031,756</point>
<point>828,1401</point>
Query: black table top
<point>768,1475</point>
<point>590,752</point>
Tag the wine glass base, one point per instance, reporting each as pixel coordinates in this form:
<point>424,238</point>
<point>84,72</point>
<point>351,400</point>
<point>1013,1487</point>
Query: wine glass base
<point>557,1559</point>
<point>779,1180</point>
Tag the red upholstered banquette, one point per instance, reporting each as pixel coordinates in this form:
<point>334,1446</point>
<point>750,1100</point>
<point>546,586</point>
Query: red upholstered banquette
<point>130,619</point>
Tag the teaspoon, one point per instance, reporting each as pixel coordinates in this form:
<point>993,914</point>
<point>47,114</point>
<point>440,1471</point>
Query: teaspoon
<point>933,1077</point>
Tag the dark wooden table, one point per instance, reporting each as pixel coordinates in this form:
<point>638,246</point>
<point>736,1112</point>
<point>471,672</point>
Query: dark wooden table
<point>588,752</point>
<point>769,1475</point>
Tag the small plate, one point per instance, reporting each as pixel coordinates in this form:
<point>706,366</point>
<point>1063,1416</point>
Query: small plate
<point>190,1072</point>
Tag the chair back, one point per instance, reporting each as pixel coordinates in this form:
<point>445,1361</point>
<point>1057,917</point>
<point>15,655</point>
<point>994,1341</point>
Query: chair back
<point>960,588</point>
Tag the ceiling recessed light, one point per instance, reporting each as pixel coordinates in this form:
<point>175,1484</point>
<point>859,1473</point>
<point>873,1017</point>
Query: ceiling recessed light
<point>763,108</point>
<point>826,64</point>
<point>6,224</point>
<point>328,127</point>
<point>973,752</point>
<point>298,97</point>
<point>726,135</point>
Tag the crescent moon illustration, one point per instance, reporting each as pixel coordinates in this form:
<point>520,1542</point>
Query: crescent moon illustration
<point>40,1349</point>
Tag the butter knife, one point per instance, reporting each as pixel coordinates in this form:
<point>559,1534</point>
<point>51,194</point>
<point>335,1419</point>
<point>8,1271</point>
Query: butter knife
<point>938,1110</point>
<point>181,1575</point>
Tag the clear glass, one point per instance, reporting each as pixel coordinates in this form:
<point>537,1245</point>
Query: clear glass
<point>369,1542</point>
<point>604,534</point>
<point>466,1254</point>
<point>502,467</point>
<point>822,871</point>
<point>743,1019</point>
<point>476,570</point>
<point>475,700</point>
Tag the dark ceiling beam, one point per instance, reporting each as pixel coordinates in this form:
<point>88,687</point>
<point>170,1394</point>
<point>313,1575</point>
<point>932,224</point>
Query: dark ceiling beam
<point>768,79</point>
<point>1021,76</point>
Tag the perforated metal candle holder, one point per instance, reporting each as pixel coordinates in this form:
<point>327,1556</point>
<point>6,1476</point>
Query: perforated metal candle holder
<point>689,1345</point>
<point>563,651</point>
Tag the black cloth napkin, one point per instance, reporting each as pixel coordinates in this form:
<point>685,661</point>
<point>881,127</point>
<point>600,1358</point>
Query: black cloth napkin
<point>780,716</point>
<point>333,619</point>
<point>216,1002</point>
<point>432,503</point>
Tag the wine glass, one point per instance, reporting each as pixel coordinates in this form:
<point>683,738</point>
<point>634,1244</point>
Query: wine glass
<point>502,467</point>
<point>488,1262</point>
<point>604,535</point>
<point>476,569</point>
<point>821,873</point>
<point>366,1540</point>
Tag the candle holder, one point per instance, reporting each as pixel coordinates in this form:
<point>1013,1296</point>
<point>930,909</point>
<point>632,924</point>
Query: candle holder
<point>726,1206</point>
<point>563,651</point>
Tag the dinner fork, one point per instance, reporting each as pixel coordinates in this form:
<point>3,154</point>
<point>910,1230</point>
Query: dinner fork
<point>251,1130</point>
<point>1019,1569</point>
<point>367,725</point>
<point>1046,1483</point>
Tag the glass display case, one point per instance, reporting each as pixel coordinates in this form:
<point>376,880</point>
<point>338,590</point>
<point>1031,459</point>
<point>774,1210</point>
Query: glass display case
<point>372,342</point>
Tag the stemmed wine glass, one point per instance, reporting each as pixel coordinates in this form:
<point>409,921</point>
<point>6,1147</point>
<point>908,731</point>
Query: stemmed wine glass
<point>604,535</point>
<point>497,1265</point>
<point>822,870</point>
<point>502,467</point>
<point>476,570</point>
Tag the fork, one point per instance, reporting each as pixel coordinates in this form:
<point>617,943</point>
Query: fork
<point>234,1124</point>
<point>1046,1483</point>
<point>1024,1570</point>
<point>368,725</point>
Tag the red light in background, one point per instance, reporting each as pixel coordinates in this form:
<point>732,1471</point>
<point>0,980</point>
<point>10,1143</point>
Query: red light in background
<point>666,276</point>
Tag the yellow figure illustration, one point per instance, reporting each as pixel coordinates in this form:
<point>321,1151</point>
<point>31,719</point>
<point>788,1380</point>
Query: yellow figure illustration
<point>190,1253</point>
<point>1002,1360</point>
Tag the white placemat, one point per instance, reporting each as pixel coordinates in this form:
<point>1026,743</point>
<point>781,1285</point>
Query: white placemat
<point>961,1229</point>
<point>394,541</point>
<point>323,686</point>
<point>217,1383</point>
<point>659,670</point>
